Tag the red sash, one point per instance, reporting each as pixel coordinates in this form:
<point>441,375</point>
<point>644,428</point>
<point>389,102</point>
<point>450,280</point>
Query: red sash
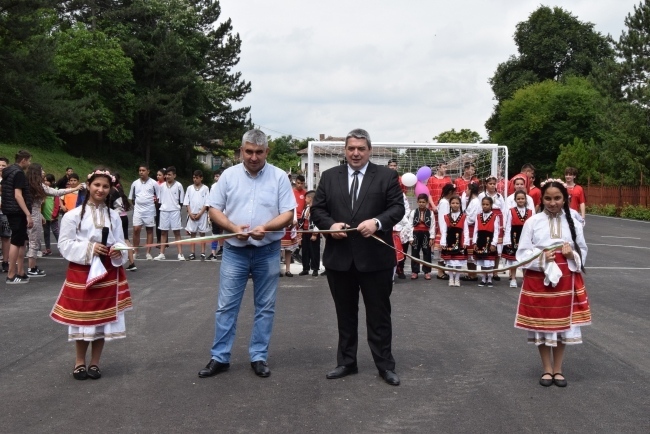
<point>97,304</point>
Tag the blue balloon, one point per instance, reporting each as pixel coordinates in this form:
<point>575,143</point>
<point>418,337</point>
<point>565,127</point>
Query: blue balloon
<point>424,173</point>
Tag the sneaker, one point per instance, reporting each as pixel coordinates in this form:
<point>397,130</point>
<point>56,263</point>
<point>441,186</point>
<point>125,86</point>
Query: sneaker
<point>132,267</point>
<point>191,257</point>
<point>202,257</point>
<point>47,252</point>
<point>489,284</point>
<point>452,282</point>
<point>35,272</point>
<point>5,267</point>
<point>149,257</point>
<point>219,253</point>
<point>39,254</point>
<point>160,257</point>
<point>496,278</point>
<point>481,283</point>
<point>181,257</point>
<point>16,280</point>
<point>513,283</point>
<point>211,257</point>
<point>135,255</point>
<point>315,273</point>
<point>457,282</point>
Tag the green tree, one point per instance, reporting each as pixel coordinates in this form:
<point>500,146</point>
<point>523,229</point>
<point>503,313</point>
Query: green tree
<point>632,50</point>
<point>282,153</point>
<point>552,44</point>
<point>463,136</point>
<point>583,156</point>
<point>541,117</point>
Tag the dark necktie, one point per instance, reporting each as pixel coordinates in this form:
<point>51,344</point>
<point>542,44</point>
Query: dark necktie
<point>355,187</point>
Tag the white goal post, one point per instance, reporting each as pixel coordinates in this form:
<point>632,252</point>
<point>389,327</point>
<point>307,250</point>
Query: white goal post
<point>488,159</point>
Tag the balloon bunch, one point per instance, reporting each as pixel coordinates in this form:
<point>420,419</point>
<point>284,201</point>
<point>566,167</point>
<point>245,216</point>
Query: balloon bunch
<point>419,181</point>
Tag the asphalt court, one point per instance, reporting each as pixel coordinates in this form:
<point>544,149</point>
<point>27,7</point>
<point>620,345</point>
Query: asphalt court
<point>463,366</point>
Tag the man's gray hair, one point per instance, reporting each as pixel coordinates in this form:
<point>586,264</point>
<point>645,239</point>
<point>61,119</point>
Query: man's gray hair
<point>256,137</point>
<point>359,133</point>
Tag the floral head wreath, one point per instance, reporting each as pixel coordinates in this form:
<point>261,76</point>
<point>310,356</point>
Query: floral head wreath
<point>102,172</point>
<point>490,177</point>
<point>559,181</point>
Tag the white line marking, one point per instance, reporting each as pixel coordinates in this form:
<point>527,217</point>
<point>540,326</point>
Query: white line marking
<point>618,245</point>
<point>612,236</point>
<point>615,268</point>
<point>618,218</point>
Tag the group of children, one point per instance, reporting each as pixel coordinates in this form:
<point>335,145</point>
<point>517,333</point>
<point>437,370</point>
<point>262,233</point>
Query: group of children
<point>469,229</point>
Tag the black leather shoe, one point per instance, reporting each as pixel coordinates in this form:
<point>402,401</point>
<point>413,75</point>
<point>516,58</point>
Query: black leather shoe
<point>213,368</point>
<point>341,371</point>
<point>303,273</point>
<point>390,377</point>
<point>261,368</point>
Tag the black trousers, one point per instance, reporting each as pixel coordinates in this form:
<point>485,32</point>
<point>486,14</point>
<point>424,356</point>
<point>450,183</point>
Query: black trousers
<point>376,288</point>
<point>420,242</point>
<point>310,252</point>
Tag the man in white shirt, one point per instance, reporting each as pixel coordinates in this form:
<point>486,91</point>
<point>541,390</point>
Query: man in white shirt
<point>170,196</point>
<point>143,195</point>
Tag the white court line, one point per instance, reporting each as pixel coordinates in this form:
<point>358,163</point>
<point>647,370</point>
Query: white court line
<point>618,218</point>
<point>618,245</point>
<point>612,236</point>
<point>616,268</point>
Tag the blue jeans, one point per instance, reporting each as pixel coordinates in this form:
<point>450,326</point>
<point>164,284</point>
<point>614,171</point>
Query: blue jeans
<point>264,264</point>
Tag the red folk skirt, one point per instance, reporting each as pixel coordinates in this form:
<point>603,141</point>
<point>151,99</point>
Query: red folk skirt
<point>81,305</point>
<point>397,242</point>
<point>553,309</point>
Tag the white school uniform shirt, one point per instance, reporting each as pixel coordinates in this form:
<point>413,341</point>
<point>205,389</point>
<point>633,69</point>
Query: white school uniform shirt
<point>170,196</point>
<point>536,235</point>
<point>144,195</point>
<point>511,203</point>
<point>196,199</point>
<point>443,209</point>
<point>472,210</point>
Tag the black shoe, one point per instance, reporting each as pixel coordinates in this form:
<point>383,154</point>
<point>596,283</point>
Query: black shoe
<point>496,278</point>
<point>401,276</point>
<point>5,267</point>
<point>546,382</point>
<point>315,273</point>
<point>212,257</point>
<point>323,273</point>
<point>558,382</point>
<point>213,368</point>
<point>303,273</point>
<point>261,368</point>
<point>390,377</point>
<point>16,280</point>
<point>80,372</point>
<point>341,371</point>
<point>132,267</point>
<point>35,272</point>
<point>94,373</point>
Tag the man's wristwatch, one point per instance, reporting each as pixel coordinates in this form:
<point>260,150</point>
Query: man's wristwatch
<point>376,223</point>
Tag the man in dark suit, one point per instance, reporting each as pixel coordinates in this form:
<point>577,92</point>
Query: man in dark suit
<point>367,197</point>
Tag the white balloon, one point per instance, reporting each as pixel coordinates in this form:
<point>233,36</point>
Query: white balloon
<point>409,179</point>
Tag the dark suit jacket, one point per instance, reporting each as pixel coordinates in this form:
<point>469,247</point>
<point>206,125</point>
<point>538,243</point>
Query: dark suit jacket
<point>379,197</point>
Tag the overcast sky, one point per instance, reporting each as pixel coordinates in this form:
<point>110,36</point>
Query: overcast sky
<point>404,70</point>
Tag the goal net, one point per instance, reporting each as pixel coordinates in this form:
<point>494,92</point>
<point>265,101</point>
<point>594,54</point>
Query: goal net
<point>488,159</point>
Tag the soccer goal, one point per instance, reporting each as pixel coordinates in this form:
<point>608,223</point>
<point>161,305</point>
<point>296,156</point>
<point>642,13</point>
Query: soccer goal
<point>488,159</point>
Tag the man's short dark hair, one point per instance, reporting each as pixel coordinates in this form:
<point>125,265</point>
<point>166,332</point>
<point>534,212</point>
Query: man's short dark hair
<point>5,159</point>
<point>74,176</point>
<point>217,172</point>
<point>528,166</point>
<point>68,168</point>
<point>22,155</point>
<point>300,178</point>
<point>145,165</point>
<point>171,169</point>
<point>391,161</point>
<point>359,133</point>
<point>198,173</point>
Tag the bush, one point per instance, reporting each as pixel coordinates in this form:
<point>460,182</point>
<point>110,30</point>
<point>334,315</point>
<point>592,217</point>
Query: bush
<point>606,210</point>
<point>635,212</point>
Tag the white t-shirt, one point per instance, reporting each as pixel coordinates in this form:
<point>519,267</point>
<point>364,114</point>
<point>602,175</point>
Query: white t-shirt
<point>170,196</point>
<point>144,194</point>
<point>196,199</point>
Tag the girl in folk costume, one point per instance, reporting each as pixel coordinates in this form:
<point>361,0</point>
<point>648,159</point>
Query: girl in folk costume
<point>520,182</point>
<point>401,235</point>
<point>454,239</point>
<point>485,240</point>
<point>95,293</point>
<point>422,235</point>
<point>288,245</point>
<point>553,303</point>
<point>515,219</point>
<point>499,209</point>
<point>443,209</point>
<point>472,208</point>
